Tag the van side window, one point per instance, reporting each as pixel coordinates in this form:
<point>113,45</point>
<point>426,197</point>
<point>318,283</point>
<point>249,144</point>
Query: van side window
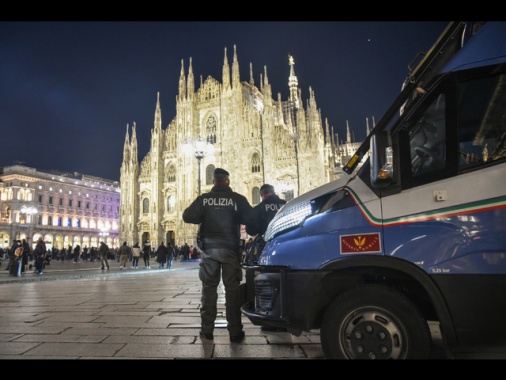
<point>482,121</point>
<point>427,139</point>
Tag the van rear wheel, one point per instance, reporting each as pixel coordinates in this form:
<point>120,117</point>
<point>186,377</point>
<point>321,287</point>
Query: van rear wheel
<point>374,322</point>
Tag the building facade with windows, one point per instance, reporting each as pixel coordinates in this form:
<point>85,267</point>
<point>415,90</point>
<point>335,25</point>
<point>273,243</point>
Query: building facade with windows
<point>243,129</point>
<point>66,209</point>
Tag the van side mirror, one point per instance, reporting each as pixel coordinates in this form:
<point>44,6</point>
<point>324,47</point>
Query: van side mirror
<point>381,159</point>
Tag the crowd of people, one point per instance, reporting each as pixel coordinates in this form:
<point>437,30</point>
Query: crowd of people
<point>163,255</point>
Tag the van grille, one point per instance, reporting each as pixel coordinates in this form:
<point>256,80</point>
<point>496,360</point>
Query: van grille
<point>264,295</point>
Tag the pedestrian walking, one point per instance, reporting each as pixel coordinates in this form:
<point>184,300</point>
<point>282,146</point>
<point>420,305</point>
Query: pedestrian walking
<point>39,253</point>
<point>85,253</point>
<point>17,260</point>
<point>146,252</point>
<point>11,263</point>
<point>171,252</point>
<point>124,253</point>
<point>161,255</point>
<point>136,254</point>
<point>77,253</point>
<point>24,257</point>
<point>220,213</point>
<point>103,252</point>
<point>185,251</point>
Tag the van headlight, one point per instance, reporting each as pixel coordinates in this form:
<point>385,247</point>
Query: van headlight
<point>288,219</point>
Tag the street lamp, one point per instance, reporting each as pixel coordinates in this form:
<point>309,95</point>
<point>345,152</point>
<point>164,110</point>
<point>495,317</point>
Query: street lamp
<point>199,149</point>
<point>200,145</point>
<point>28,210</point>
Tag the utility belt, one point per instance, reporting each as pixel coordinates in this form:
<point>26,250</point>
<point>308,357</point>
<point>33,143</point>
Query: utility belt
<point>218,243</point>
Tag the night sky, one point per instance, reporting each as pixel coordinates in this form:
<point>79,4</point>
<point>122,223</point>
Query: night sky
<point>69,89</point>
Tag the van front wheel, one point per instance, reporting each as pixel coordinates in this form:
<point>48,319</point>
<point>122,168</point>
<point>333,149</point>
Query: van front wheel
<point>374,322</point>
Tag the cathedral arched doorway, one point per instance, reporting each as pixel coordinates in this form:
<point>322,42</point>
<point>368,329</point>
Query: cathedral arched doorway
<point>145,238</point>
<point>170,237</point>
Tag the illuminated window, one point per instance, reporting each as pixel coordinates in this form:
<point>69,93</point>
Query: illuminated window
<point>171,203</point>
<point>171,174</point>
<point>255,163</point>
<point>211,130</point>
<point>209,174</point>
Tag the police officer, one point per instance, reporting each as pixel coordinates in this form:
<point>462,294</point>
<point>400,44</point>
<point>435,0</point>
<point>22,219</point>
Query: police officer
<point>220,214</point>
<point>267,209</point>
<point>270,205</point>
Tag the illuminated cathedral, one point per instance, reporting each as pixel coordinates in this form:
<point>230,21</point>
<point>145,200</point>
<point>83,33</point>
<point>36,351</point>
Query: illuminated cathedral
<point>243,129</point>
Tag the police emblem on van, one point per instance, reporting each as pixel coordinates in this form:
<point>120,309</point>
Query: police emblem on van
<point>361,243</point>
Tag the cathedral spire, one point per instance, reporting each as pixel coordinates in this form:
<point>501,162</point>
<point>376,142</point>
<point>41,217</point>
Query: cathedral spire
<point>158,113</point>
<point>126,147</point>
<point>348,135</point>
<point>191,82</point>
<point>133,145</point>
<point>182,80</point>
<point>251,81</point>
<point>293,83</point>
<point>266,87</point>
<point>225,72</point>
<point>236,78</point>
<point>327,132</point>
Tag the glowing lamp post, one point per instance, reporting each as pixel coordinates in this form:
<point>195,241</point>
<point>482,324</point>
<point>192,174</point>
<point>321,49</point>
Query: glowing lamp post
<point>28,211</point>
<point>199,148</point>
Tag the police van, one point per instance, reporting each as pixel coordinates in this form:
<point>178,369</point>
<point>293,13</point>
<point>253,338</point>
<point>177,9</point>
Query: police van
<point>415,231</point>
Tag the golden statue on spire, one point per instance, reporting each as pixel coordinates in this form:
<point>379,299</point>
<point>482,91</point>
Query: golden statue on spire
<point>291,61</point>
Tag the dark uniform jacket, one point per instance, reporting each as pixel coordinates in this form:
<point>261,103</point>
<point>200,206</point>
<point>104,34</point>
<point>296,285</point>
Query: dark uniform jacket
<point>266,211</point>
<point>220,214</point>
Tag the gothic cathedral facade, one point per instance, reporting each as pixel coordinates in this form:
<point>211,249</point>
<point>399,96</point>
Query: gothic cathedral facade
<point>255,137</point>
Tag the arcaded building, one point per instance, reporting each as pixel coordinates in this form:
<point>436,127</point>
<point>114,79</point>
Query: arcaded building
<point>254,134</point>
<point>66,209</point>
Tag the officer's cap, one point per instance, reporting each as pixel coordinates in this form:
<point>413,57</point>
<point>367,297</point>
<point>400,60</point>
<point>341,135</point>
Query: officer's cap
<point>267,188</point>
<point>220,174</point>
<point>220,171</point>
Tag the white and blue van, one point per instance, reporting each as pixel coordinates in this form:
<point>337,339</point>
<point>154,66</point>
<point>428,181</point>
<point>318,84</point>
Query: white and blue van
<point>415,231</point>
